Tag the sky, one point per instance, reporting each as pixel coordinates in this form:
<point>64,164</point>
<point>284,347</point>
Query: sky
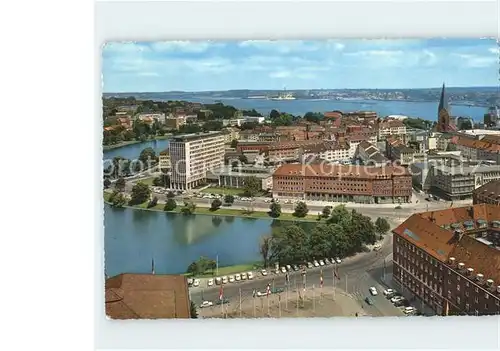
<point>298,64</point>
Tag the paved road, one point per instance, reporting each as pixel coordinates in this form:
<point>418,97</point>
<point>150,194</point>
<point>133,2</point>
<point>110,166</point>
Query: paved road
<point>360,273</point>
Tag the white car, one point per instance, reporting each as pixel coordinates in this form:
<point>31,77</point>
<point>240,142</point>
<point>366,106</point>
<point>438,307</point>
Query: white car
<point>260,293</point>
<point>210,282</point>
<point>389,291</point>
<point>243,276</point>
<point>321,263</point>
<point>397,299</point>
<point>196,282</point>
<point>263,272</point>
<point>224,279</point>
<point>206,304</point>
<point>237,277</point>
<point>309,265</point>
<point>327,261</point>
<point>231,278</point>
<point>316,264</point>
<point>338,260</point>
<point>250,275</point>
<point>409,310</point>
<point>190,281</point>
<point>288,267</point>
<point>283,269</point>
<point>218,280</point>
<point>373,291</point>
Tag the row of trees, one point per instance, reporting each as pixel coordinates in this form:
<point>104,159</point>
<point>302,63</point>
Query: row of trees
<point>344,233</point>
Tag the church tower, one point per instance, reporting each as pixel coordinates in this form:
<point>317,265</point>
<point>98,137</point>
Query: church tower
<point>444,123</point>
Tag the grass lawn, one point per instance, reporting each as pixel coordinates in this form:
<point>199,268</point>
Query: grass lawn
<point>147,181</point>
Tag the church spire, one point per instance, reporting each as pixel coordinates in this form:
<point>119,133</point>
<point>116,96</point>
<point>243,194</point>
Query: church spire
<point>443,101</point>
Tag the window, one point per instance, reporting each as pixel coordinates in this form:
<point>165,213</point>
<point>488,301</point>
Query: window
<point>458,299</point>
<point>449,294</point>
<point>467,284</point>
<point>476,300</point>
<point>467,293</point>
<point>467,306</point>
<point>458,287</point>
<point>458,278</point>
<point>477,289</point>
<point>486,296</point>
<point>497,302</point>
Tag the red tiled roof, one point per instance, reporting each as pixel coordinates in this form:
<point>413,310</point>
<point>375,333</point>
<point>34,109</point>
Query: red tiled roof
<point>336,170</point>
<point>488,145</point>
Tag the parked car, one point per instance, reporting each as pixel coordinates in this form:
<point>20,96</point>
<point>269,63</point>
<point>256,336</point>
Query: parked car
<point>277,290</point>
<point>260,293</point>
<point>309,265</point>
<point>396,299</point>
<point>224,279</point>
<point>196,282</point>
<point>190,281</point>
<point>283,269</point>
<point>206,304</point>
<point>231,278</point>
<point>237,277</point>
<point>243,276</point>
<point>369,301</point>
<point>409,310</point>
<point>288,267</point>
<point>295,267</point>
<point>263,272</point>
<point>327,261</point>
<point>316,264</point>
<point>250,275</point>
<point>321,263</point>
<point>338,260</point>
<point>210,282</point>
<point>218,281</point>
<point>224,300</point>
<point>389,291</point>
<point>373,291</point>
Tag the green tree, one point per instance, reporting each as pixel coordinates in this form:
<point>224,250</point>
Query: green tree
<point>234,143</point>
<point>117,199</point>
<point>382,226</point>
<point>107,183</point>
<point>148,154</point>
<point>188,208</point>
<point>314,117</point>
<point>120,184</point>
<point>339,214</point>
<point>153,202</point>
<point>216,204</point>
<point>193,312</point>
<point>327,210</point>
<point>140,194</point>
<point>159,181</point>
<point>229,199</point>
<point>252,186</point>
<point>274,114</point>
<point>301,209</point>
<point>193,268</point>
<point>170,205</point>
<point>319,244</point>
<point>265,249</point>
<point>275,210</point>
<point>170,195</point>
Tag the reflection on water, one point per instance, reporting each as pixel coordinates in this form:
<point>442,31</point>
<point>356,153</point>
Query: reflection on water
<point>134,237</point>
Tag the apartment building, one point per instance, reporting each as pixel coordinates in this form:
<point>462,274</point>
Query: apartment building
<point>235,177</point>
<point>164,160</point>
<point>489,193</point>
<point>390,127</point>
<point>192,155</point>
<point>450,259</point>
<point>342,183</point>
<point>482,147</point>
<point>291,150</point>
<point>369,154</point>
<point>459,180</point>
<point>355,139</point>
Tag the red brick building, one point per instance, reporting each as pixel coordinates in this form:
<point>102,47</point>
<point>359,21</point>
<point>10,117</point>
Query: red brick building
<point>489,193</point>
<point>450,259</point>
<point>342,183</point>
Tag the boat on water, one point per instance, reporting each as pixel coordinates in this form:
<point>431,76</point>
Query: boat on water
<point>284,97</point>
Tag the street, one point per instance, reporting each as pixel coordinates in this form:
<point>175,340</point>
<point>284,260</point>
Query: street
<point>357,274</point>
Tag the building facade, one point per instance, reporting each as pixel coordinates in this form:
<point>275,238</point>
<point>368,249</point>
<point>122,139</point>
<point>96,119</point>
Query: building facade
<point>341,183</point>
<point>489,193</point>
<point>192,155</point>
<point>450,260</point>
<point>235,177</point>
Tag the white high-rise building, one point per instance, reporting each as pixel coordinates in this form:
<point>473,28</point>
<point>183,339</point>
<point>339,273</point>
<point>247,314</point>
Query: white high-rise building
<point>192,155</point>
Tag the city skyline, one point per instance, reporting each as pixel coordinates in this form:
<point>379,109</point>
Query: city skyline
<point>297,64</point>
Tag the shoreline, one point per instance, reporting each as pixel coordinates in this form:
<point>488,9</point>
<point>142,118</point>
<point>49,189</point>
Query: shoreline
<point>226,212</point>
<point>133,142</point>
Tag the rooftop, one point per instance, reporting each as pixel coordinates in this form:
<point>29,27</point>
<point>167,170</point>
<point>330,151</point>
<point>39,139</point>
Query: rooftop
<point>345,171</point>
<point>490,190</point>
<point>435,233</point>
<point>147,296</point>
<point>195,136</point>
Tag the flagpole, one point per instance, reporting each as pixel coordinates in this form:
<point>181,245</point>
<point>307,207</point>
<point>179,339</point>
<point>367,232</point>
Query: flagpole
<point>296,287</point>
<point>254,314</point>
<point>314,305</point>
<point>333,283</point>
<point>286,301</point>
<point>346,284</point>
<point>268,305</point>
<point>217,265</point>
<point>240,302</point>
<point>279,304</point>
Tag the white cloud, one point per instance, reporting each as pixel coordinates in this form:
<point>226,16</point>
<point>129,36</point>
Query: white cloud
<point>476,61</point>
<point>495,51</point>
<point>183,46</point>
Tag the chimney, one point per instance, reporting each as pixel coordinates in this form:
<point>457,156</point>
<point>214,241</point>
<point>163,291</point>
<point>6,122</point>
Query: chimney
<point>479,277</point>
<point>452,261</point>
<point>470,271</point>
<point>489,283</point>
<point>461,266</point>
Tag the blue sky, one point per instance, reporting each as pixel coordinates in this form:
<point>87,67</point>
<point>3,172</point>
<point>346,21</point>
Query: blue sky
<point>297,64</point>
